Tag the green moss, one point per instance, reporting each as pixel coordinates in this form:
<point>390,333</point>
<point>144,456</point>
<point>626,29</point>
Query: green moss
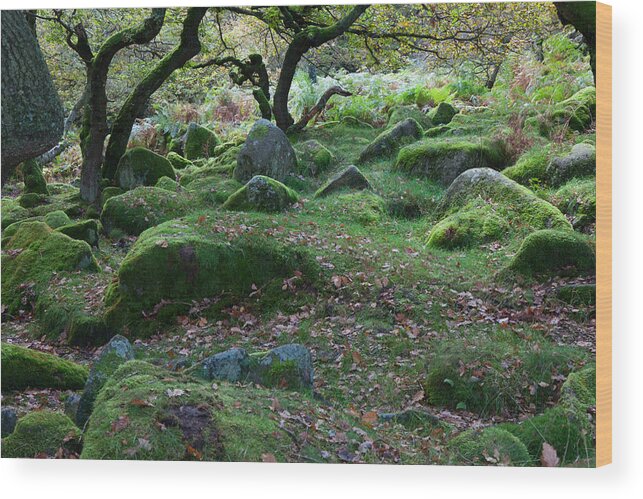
<point>442,114</point>
<point>110,192</point>
<point>213,191</point>
<point>41,433</point>
<point>140,166</point>
<point>32,176</point>
<point>577,200</point>
<point>168,184</point>
<point>25,368</point>
<point>12,212</point>
<point>88,330</point>
<point>436,131</point>
<point>86,230</point>
<point>67,200</point>
<point>547,251</point>
<point>363,208</point>
<point>195,258</point>
<point>389,141</point>
<point>469,227</point>
<point>178,161</point>
<point>578,294</point>
<point>32,199</point>
<point>57,219</point>
<point>496,375</point>
<point>313,158</point>
<point>400,113</point>
<point>490,446</point>
<point>442,161</point>
<point>141,208</point>
<point>261,194</point>
<point>578,111</point>
<point>532,166</point>
<point>199,142</point>
<point>33,254</point>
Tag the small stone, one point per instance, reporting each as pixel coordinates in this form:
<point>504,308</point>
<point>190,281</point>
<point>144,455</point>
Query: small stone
<point>350,178</point>
<point>9,420</point>
<point>231,365</point>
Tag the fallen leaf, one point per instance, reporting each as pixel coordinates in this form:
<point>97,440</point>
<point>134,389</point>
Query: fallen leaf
<point>369,418</point>
<point>268,458</point>
<point>174,392</point>
<point>549,457</point>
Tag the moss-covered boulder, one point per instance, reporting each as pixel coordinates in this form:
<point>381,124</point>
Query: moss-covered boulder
<point>140,166</point>
<point>580,162</point>
<point>577,112</point>
<point>116,353</point>
<point>167,183</point>
<point>200,142</point>
<point>577,200</point>
<point>442,114</point>
<point>443,161</point>
<point>193,258</point>
<point>313,158</point>
<point>266,151</point>
<point>141,208</point>
<point>531,166</point>
<point>389,141</point>
<point>212,191</point>
<point>12,212</point>
<point>261,194</point>
<point>363,207</point>
<point>32,199</point>
<point>32,254</point>
<point>349,179</point>
<point>519,206</point>
<point>25,368</point>
<point>401,113</point>
<point>88,330</point>
<point>490,446</point>
<point>33,179</point>
<point>477,224</point>
<point>85,230</point>
<point>110,192</point>
<point>177,161</point>
<point>42,434</point>
<point>554,251</point>
<point>56,219</point>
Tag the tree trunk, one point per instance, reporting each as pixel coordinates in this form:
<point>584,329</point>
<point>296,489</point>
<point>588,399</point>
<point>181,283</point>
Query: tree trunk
<point>302,43</point>
<point>491,80</point>
<point>94,129</point>
<point>581,15</point>
<point>319,107</point>
<point>135,103</point>
<point>32,115</point>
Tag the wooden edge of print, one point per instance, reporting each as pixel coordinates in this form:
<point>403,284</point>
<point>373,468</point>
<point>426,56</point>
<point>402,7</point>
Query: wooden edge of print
<point>603,234</point>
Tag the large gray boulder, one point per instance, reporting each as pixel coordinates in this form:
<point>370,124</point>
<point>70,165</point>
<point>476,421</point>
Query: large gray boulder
<point>140,166</point>
<point>350,178</point>
<point>580,162</point>
<point>389,141</point>
<point>266,151</point>
<point>114,354</point>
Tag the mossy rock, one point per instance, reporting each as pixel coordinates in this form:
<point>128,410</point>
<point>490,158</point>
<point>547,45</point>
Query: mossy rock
<point>67,200</point>
<point>42,434</point>
<point>110,192</point>
<point>580,162</point>
<point>578,111</point>
<point>25,368</point>
<point>167,183</point>
<point>531,166</point>
<point>192,258</point>
<point>85,230</point>
<point>212,191</point>
<point>88,330</point>
<point>56,219</point>
<point>578,294</point>
<point>400,113</point>
<point>32,199</point>
<point>177,161</point>
<point>33,253</point>
<point>313,158</point>
<point>117,352</point>
<point>363,208</point>
<point>389,141</point>
<point>442,161</point>
<point>12,212</point>
<point>33,179</point>
<point>200,142</point>
<point>488,375</point>
<point>140,166</point>
<point>467,228</point>
<point>261,194</point>
<point>519,206</point>
<point>349,179</point>
<point>490,446</point>
<point>442,114</point>
<point>436,131</point>
<point>554,251</point>
<point>577,200</point>
<point>141,208</point>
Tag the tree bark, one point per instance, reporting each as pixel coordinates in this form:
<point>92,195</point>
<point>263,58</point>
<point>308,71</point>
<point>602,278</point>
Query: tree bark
<point>188,47</point>
<point>319,107</point>
<point>303,41</point>
<point>581,15</point>
<point>94,129</point>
